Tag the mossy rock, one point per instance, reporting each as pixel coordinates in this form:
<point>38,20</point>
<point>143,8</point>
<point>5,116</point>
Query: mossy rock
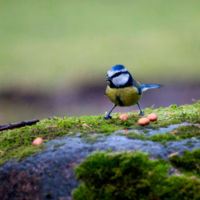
<point>17,143</point>
<point>133,175</point>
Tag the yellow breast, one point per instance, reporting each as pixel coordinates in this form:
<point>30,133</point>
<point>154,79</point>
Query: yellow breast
<point>127,96</point>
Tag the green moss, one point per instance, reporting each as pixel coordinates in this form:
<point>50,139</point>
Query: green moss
<point>92,138</point>
<point>21,153</point>
<point>179,187</point>
<point>188,131</point>
<point>118,175</point>
<point>12,141</point>
<point>189,162</point>
<point>131,175</point>
<point>25,152</point>
<point>183,132</point>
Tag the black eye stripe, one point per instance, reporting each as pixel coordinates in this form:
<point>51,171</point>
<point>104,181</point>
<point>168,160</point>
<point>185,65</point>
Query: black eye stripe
<point>117,74</point>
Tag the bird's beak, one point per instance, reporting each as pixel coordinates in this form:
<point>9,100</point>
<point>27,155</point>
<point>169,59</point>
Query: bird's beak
<point>108,78</point>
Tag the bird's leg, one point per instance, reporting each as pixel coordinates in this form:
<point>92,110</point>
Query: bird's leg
<point>141,112</point>
<point>108,115</point>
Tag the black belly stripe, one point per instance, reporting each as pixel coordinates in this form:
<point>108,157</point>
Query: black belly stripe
<point>119,101</point>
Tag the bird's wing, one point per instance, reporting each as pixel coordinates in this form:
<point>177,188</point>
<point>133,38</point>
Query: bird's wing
<point>138,86</point>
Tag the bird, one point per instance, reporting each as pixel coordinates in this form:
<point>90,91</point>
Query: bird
<point>123,90</point>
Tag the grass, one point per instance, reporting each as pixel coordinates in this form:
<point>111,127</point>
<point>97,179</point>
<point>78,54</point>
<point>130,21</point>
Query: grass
<point>48,45</point>
<point>17,143</point>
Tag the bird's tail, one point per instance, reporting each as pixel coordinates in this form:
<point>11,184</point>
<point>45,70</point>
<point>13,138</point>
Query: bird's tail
<point>150,86</point>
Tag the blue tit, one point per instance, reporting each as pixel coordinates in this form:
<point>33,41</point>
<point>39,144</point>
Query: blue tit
<point>123,90</point>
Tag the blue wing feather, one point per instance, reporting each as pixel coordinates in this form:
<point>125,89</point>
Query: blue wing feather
<point>150,86</point>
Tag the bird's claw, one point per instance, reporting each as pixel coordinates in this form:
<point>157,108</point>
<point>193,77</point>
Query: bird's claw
<point>107,117</point>
<point>141,114</point>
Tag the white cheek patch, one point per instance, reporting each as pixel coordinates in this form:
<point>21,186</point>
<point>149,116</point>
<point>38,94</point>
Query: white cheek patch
<point>120,80</point>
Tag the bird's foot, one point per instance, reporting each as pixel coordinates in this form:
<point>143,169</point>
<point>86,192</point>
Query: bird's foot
<point>107,117</point>
<point>141,114</point>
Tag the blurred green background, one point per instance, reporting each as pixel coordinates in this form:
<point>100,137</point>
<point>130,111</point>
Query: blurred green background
<point>54,55</point>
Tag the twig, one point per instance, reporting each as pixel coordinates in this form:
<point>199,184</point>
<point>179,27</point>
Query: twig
<point>19,124</point>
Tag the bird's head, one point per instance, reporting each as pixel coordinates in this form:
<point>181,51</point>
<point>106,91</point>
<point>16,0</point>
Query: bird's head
<point>118,77</point>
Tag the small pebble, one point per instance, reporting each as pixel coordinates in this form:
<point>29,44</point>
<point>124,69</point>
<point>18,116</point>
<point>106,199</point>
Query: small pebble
<point>152,117</point>
<point>37,141</point>
<point>143,121</point>
<point>123,117</point>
